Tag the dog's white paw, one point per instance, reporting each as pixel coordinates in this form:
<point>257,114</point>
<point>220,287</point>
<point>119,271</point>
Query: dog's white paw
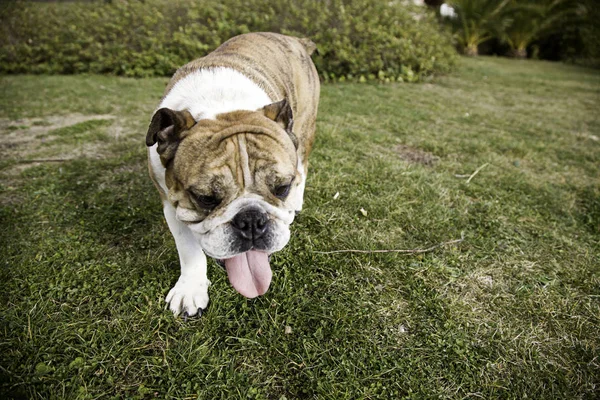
<point>189,296</point>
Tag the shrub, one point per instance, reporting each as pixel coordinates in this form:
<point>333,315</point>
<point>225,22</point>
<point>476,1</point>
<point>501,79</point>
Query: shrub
<point>357,39</point>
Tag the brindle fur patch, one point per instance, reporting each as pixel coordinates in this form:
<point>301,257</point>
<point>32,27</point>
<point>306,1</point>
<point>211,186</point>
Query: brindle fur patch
<point>249,153</point>
<point>281,66</point>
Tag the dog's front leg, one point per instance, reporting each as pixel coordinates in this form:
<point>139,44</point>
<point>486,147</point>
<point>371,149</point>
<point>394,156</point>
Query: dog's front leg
<point>190,294</point>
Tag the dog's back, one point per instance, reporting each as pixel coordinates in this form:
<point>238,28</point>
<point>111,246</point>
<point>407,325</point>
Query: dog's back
<point>280,65</point>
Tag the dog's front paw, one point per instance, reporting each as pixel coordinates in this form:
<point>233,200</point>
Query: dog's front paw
<point>188,296</point>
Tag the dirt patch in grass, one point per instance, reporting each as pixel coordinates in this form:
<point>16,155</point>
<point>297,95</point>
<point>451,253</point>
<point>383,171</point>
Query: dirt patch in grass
<point>27,129</point>
<point>416,156</point>
<point>54,138</point>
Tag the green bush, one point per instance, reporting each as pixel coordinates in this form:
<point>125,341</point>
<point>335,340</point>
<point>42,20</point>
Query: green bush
<point>357,39</point>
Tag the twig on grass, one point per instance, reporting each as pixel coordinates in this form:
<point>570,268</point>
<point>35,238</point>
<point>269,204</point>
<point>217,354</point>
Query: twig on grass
<point>405,251</point>
<point>43,160</point>
<point>476,172</point>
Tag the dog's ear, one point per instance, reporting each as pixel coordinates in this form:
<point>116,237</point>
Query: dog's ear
<point>166,128</point>
<point>281,112</point>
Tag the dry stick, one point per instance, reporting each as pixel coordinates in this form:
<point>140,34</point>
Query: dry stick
<point>476,172</point>
<point>411,251</point>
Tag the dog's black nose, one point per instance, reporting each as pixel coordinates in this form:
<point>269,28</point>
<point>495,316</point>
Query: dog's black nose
<point>250,224</point>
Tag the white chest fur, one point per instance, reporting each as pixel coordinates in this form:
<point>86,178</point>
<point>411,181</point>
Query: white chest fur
<point>209,92</point>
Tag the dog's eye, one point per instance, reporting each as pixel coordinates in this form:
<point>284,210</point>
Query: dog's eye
<point>282,191</point>
<point>208,202</point>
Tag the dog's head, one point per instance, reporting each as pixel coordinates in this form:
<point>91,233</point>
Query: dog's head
<point>235,182</point>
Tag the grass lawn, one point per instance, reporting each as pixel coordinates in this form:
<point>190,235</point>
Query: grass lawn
<point>513,311</point>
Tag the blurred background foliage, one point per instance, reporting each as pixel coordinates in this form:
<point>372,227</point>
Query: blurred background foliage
<point>567,30</point>
<point>357,39</point>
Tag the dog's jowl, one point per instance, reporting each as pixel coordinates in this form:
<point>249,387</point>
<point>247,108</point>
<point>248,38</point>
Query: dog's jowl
<point>228,152</point>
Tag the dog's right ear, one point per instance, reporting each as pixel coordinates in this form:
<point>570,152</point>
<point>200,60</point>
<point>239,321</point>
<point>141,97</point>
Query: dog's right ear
<point>281,112</point>
<point>166,128</point>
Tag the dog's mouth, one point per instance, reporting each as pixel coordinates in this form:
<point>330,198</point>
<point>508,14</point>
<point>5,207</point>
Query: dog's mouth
<point>249,273</point>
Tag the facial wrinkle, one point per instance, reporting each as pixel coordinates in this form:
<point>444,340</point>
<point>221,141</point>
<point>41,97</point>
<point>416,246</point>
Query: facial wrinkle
<point>244,162</point>
<point>228,155</point>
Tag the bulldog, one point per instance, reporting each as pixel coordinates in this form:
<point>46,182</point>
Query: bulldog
<point>228,151</point>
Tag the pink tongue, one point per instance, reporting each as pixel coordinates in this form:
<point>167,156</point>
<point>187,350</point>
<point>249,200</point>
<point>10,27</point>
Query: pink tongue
<point>249,273</point>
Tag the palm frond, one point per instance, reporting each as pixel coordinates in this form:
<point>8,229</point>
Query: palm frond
<point>531,19</point>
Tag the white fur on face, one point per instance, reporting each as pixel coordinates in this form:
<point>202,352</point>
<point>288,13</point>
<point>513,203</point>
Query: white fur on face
<point>157,167</point>
<point>246,201</point>
<point>296,197</point>
<point>215,234</point>
<point>218,242</point>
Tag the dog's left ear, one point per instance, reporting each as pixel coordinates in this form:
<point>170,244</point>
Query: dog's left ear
<point>281,112</point>
<point>166,128</point>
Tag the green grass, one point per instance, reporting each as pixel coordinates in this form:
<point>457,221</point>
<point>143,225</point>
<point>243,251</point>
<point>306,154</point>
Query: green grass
<point>511,312</point>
